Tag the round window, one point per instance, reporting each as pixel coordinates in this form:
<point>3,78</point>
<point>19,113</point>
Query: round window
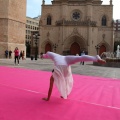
<point>76,15</point>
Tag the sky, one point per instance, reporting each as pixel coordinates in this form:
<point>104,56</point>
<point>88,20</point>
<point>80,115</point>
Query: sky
<point>34,7</point>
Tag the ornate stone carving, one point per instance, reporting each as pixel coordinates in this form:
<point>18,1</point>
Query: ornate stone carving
<point>48,34</point>
<point>77,23</point>
<point>103,37</point>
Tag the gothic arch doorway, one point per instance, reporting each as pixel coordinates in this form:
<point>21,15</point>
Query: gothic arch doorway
<point>102,49</point>
<point>48,47</point>
<point>75,48</point>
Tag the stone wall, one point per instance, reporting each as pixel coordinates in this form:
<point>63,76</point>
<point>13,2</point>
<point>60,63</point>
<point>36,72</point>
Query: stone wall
<point>12,22</point>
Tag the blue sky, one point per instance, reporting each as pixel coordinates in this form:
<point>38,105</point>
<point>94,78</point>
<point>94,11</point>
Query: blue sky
<point>34,7</point>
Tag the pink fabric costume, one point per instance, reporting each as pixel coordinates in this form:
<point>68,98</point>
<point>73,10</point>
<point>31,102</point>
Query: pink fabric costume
<point>62,70</point>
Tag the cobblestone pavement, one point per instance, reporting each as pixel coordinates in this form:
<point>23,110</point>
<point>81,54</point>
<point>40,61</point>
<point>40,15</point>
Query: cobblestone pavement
<point>46,65</point>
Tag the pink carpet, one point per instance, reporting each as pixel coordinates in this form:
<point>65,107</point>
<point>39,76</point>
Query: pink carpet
<point>22,90</point>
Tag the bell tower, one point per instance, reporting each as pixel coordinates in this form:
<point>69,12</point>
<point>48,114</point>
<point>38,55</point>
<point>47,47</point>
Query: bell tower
<point>12,25</point>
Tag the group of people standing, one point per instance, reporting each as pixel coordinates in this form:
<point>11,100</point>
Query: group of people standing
<point>22,55</point>
<point>8,54</point>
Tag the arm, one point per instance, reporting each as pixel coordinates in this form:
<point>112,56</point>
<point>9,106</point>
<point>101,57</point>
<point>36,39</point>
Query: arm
<point>48,55</point>
<point>50,89</point>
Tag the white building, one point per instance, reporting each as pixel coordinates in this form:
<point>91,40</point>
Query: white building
<point>32,24</point>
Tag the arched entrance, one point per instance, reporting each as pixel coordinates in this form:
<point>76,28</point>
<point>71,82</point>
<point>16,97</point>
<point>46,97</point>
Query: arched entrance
<point>75,49</point>
<point>102,49</point>
<point>48,47</point>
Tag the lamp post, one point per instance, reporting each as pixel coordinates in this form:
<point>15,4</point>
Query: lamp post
<point>55,47</point>
<point>36,37</point>
<point>97,47</point>
<point>28,47</point>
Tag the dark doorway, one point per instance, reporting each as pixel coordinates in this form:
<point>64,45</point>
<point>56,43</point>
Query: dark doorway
<point>102,49</point>
<point>75,49</point>
<point>48,47</point>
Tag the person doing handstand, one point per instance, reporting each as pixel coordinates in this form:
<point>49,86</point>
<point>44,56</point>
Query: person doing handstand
<point>62,74</point>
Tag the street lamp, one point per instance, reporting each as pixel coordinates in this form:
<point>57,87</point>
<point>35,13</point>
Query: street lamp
<point>55,46</point>
<point>36,38</point>
<point>97,48</point>
<point>28,47</point>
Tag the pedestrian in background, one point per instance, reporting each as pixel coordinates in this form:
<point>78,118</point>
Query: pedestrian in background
<point>82,62</point>
<point>16,52</point>
<point>10,53</point>
<point>23,55</point>
<point>6,53</point>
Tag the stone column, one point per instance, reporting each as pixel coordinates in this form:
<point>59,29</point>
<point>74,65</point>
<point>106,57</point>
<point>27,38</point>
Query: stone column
<point>89,18</point>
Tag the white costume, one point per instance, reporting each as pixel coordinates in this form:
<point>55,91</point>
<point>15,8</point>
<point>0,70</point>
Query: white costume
<point>62,70</point>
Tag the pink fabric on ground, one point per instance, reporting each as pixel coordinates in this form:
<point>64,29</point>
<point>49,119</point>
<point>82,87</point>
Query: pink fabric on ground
<point>22,90</point>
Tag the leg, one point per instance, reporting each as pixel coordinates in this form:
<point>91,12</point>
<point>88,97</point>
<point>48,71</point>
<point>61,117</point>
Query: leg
<point>50,89</point>
<point>18,59</point>
<point>74,59</point>
<point>15,59</point>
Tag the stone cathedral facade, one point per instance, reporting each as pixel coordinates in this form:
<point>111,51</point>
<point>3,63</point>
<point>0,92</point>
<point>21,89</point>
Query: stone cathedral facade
<point>73,26</point>
<point>12,25</point>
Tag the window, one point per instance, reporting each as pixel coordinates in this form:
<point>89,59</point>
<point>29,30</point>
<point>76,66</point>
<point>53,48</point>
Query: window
<point>28,26</point>
<point>49,20</point>
<point>76,15</point>
<point>104,21</point>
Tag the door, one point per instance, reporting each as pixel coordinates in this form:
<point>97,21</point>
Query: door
<point>48,47</point>
<point>102,49</point>
<point>75,49</point>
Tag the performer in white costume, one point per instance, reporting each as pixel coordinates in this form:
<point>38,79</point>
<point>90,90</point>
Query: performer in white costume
<point>62,75</point>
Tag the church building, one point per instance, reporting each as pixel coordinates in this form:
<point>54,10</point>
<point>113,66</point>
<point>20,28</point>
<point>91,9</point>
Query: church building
<point>69,27</point>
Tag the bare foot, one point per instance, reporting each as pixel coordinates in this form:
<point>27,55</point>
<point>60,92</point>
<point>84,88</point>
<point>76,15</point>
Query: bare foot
<point>46,99</point>
<point>61,96</point>
<point>101,61</point>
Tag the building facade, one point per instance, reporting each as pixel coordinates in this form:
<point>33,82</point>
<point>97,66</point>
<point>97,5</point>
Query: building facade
<point>12,25</point>
<point>117,30</point>
<point>32,24</point>
<point>73,26</point>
